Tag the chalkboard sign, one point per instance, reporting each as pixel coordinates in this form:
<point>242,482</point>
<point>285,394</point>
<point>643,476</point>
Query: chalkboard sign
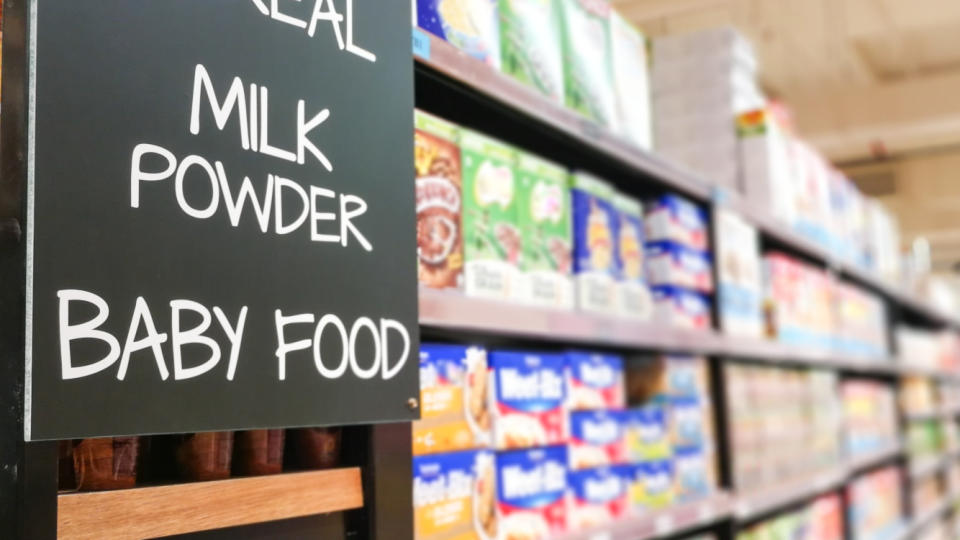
<point>221,229</point>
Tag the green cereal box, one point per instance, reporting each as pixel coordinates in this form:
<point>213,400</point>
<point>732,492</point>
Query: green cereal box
<point>492,240</point>
<point>530,45</point>
<point>628,49</point>
<point>544,218</point>
<point>588,78</point>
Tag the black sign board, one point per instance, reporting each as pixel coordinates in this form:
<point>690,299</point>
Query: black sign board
<point>221,227</point>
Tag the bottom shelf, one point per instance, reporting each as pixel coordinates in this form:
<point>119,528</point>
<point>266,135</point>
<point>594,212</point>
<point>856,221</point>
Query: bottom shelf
<point>146,512</point>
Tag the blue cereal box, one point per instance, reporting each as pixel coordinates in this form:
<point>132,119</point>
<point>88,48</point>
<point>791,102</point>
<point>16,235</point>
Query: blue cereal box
<point>454,496</point>
<point>529,394</point>
<point>634,298</point>
<point>531,493</point>
<point>691,474</point>
<point>454,399</point>
<point>670,263</point>
<point>653,485</point>
<point>687,422</point>
<point>681,308</point>
<point>598,496</point>
<point>648,435</point>
<point>596,227</point>
<point>595,381</point>
<point>597,438</point>
<point>472,26</point>
<point>674,218</point>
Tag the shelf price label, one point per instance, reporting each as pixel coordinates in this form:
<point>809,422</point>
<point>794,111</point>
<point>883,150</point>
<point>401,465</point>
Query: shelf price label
<point>213,241</point>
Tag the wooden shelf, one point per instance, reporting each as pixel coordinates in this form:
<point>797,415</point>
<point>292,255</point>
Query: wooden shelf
<point>754,503</point>
<point>454,65</point>
<point>179,509</point>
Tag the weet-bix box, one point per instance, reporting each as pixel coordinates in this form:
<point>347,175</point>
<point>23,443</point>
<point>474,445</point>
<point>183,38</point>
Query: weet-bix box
<point>594,381</point>
<point>469,25</point>
<point>674,218</point>
<point>647,433</point>
<point>634,293</point>
<point>598,496</point>
<point>454,399</point>
<point>531,493</point>
<point>596,264</point>
<point>529,393</point>
<point>597,438</point>
<point>454,496</point>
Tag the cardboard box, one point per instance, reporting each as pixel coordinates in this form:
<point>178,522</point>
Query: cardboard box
<point>681,308</point>
<point>740,287</point>
<point>596,233</point>
<point>588,77</point>
<point>531,493</point>
<point>454,399</point>
<point>492,240</point>
<point>454,496</point>
<point>674,218</point>
<point>597,438</point>
<point>634,298</point>
<point>531,45</point>
<point>470,25</point>
<point>648,435</point>
<point>545,226</point>
<point>670,263</point>
<point>598,496</point>
<point>594,381</point>
<point>628,49</point>
<point>529,395</point>
<point>652,487</point>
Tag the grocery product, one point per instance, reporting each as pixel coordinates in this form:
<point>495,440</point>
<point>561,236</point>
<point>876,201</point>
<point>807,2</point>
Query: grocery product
<point>648,434</point>
<point>314,448</point>
<point>870,416</point>
<point>798,301</point>
<point>258,452</point>
<point>653,485</point>
<point>530,45</point>
<point>594,381</point>
<point>438,182</point>
<point>692,473</point>
<point>588,87</point>
<point>686,422</point>
<point>531,492</point>
<point>544,219</point>
<point>204,456</point>
<point>454,399</point>
<point>634,295</point>
<point>821,519</point>
<point>528,392</point>
<point>669,263</point>
<point>673,218</point>
<point>861,322</point>
<point>492,240</point>
<point>628,51</point>
<point>875,505</point>
<point>739,279</point>
<point>686,376</point>
<point>597,438</point>
<point>105,463</point>
<point>596,232</point>
<point>682,308</point>
<point>469,25</point>
<point>454,496</point>
<point>768,174</point>
<point>597,496</point>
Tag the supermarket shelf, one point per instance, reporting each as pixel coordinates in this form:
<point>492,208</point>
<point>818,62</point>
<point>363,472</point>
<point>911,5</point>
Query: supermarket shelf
<point>145,512</point>
<point>943,413</point>
<point>486,80</point>
<point>921,521</point>
<point>758,502</point>
<point>929,465</point>
<point>451,310</point>
<point>871,459</point>
<point>662,523</point>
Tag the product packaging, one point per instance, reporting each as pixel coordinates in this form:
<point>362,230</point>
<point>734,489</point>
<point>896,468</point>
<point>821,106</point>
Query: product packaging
<point>692,474</point>
<point>628,48</point>
<point>105,463</point>
<point>529,394</point>
<point>686,421</point>
<point>492,241</point>
<point>634,295</point>
<point>740,289</point>
<point>204,456</point>
<point>676,219</point>
<point>680,308</point>
<point>767,163</point>
<point>545,227</point>
<point>598,496</point>
<point>314,448</point>
<point>652,487</point>
<point>594,381</point>
<point>588,76</point>
<point>454,496</point>
<point>669,263</point>
<point>470,25</point>
<point>454,399</point>
<point>648,436</point>
<point>595,239</point>
<point>258,452</point>
<point>531,493</point>
<point>685,376</point>
<point>439,202</point>
<point>530,41</point>
<point>597,438</point>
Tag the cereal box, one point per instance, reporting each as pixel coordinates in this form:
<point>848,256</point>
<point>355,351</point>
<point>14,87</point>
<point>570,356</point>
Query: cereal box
<point>674,218</point>
<point>454,496</point>
<point>628,49</point>
<point>470,25</point>
<point>598,496</point>
<point>652,487</point>
<point>597,438</point>
<point>681,308</point>
<point>530,41</point>
<point>686,375</point>
<point>492,239</point>
<point>687,421</point>
<point>740,290</point>
<point>595,239</point>
<point>647,433</point>
<point>531,493</point>
<point>634,295</point>
<point>544,217</point>
<point>588,82</point>
<point>439,238</point>
<point>454,399</point>
<point>528,393</point>
<point>594,381</point>
<point>691,474</point>
<point>669,263</point>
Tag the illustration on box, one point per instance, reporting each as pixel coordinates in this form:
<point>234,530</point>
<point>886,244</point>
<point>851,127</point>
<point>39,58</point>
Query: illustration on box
<point>530,43</point>
<point>529,399</point>
<point>594,381</point>
<point>454,494</point>
<point>598,496</point>
<point>597,438</point>
<point>596,234</point>
<point>470,25</point>
<point>531,492</point>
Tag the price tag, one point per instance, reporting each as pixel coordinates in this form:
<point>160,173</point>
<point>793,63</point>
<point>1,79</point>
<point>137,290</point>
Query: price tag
<point>605,535</point>
<point>664,524</point>
<point>421,44</point>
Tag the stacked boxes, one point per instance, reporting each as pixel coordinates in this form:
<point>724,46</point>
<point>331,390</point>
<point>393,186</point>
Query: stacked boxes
<point>870,416</point>
<point>529,399</point>
<point>588,73</point>
<point>595,240</point>
<point>454,496</point>
<point>628,49</point>
<point>470,25</point>
<point>740,285</point>
<point>530,43</point>
<point>875,505</point>
<point>635,300</point>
